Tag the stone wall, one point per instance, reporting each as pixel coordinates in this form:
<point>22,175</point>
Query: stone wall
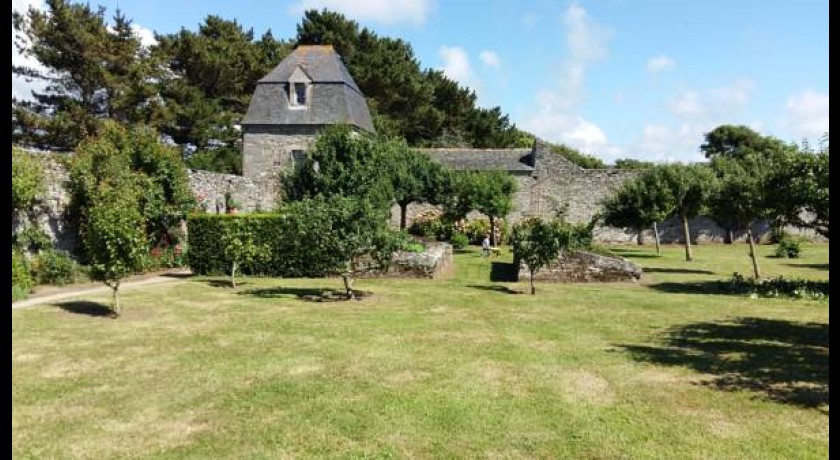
<point>252,194</point>
<point>585,267</point>
<point>268,149</point>
<point>435,262</point>
<point>50,210</point>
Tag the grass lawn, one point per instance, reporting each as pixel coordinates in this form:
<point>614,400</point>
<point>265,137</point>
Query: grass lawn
<point>457,368</point>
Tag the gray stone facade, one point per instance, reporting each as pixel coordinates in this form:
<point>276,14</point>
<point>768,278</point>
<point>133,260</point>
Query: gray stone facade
<point>270,149</point>
<point>585,267</point>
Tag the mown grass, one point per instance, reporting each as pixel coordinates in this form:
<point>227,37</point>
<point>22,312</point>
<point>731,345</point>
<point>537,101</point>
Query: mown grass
<point>464,367</point>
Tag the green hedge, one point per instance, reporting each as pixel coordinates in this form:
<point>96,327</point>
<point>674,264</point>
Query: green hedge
<point>295,240</point>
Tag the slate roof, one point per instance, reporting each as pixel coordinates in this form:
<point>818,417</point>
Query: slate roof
<point>511,160</point>
<point>334,97</point>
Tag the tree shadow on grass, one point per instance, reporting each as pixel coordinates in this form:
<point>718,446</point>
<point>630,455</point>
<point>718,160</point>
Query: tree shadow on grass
<point>687,271</point>
<point>693,287</point>
<point>307,294</point>
<point>634,253</point>
<point>503,271</point>
<point>84,307</point>
<point>784,361</point>
<point>496,288</point>
<point>814,266</point>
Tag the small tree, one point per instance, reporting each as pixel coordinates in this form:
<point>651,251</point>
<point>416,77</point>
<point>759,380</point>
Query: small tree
<point>114,235</point>
<point>535,243</point>
<point>239,247</point>
<point>639,204</point>
<point>539,242</point>
<point>415,177</point>
<point>362,239</point>
<point>741,195</point>
<point>690,187</point>
<point>493,196</point>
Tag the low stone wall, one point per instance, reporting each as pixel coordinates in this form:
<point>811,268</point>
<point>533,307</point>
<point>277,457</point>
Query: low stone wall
<point>585,267</point>
<point>209,189</point>
<point>434,263</point>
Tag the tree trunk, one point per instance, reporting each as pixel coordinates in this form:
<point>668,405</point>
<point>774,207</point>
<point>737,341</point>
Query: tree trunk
<point>640,237</point>
<point>687,238</point>
<point>116,299</point>
<point>492,231</point>
<point>656,238</point>
<point>533,289</point>
<point>233,276</point>
<point>729,237</point>
<point>752,254</point>
<point>348,285</point>
<point>403,213</point>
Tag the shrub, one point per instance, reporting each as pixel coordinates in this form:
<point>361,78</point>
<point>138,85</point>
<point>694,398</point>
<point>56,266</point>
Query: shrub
<point>413,246</point>
<point>21,280</point>
<point>459,241</point>
<point>788,247</point>
<point>19,293</point>
<point>776,287</point>
<point>431,224</point>
<point>54,267</point>
<point>27,179</point>
<point>32,239</point>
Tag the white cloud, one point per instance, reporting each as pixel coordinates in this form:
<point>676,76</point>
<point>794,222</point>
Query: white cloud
<point>712,104</point>
<point>557,119</point>
<point>660,63</point>
<point>490,59</point>
<point>695,113</point>
<point>807,114</point>
<point>146,36</point>
<point>21,87</point>
<point>456,64</point>
<point>381,11</point>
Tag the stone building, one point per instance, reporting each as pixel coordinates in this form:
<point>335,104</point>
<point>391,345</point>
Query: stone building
<point>312,88</point>
<point>308,90</point>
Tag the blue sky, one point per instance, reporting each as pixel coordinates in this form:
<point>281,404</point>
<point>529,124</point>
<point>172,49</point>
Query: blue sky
<point>615,78</point>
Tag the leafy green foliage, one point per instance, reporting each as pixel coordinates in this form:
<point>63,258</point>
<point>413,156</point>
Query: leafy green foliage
<point>788,247</point>
<point>777,287</point>
<point>538,242</point>
<point>491,193</point>
<point>460,241</point>
<point>21,279</point>
<point>343,163</point>
<point>27,179</point>
<point>737,142</point>
<point>238,246</point>
<point>576,157</point>
<point>226,160</point>
<point>54,267</point>
<point>114,234</point>
<point>95,69</point>
<point>414,177</point>
<point>638,203</point>
<point>798,189</point>
<point>630,163</point>
<point>689,188</point>
<point>31,239</point>
<point>134,157</point>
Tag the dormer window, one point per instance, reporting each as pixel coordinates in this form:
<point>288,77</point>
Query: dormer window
<point>298,94</point>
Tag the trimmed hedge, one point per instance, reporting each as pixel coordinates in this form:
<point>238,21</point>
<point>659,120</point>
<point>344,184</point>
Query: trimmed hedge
<point>296,240</point>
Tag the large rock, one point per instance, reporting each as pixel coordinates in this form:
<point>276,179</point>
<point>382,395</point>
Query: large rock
<point>585,267</point>
<point>435,262</point>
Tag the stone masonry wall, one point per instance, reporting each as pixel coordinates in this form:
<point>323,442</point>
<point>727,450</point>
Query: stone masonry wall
<point>267,149</point>
<point>209,188</point>
<point>50,211</point>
